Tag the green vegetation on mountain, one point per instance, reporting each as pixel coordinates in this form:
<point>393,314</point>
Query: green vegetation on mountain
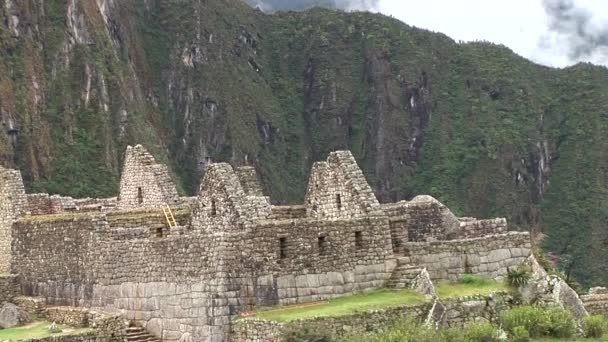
<point>487,132</point>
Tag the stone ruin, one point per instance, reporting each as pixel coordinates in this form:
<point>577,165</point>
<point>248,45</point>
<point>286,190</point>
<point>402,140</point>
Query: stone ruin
<point>232,250</point>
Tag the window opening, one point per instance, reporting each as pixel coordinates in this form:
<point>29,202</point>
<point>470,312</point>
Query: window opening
<point>359,240</point>
<point>282,248</point>
<point>322,244</point>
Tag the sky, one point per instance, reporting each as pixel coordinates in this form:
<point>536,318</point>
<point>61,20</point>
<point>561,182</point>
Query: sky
<point>551,32</point>
<point>522,25</point>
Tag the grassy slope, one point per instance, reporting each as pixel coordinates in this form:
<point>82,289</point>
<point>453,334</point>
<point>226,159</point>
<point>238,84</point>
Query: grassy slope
<point>379,299</point>
<point>457,290</point>
<point>482,129</point>
<point>34,330</point>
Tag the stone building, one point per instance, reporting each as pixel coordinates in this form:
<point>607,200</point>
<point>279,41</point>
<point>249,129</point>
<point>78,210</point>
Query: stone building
<point>232,250</point>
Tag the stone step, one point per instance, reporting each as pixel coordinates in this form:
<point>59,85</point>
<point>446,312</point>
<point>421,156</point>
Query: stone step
<point>139,334</point>
<point>403,260</point>
<point>402,276</point>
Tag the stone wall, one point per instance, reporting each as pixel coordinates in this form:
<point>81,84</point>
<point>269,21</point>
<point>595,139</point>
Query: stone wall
<point>489,256</point>
<point>429,220</point>
<point>104,327</point>
<point>108,325</point>
<point>461,311</point>
<point>57,249</point>
<point>12,204</point>
<point>187,281</point>
<point>145,183</point>
<point>9,288</point>
<point>399,233</point>
<point>287,212</point>
<point>426,219</point>
<point>45,204</point>
<point>472,228</point>
<point>297,261</point>
<point>31,305</point>
<point>596,301</point>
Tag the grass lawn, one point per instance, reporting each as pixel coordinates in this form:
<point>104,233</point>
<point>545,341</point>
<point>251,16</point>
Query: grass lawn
<point>35,329</point>
<point>469,286</point>
<point>342,306</point>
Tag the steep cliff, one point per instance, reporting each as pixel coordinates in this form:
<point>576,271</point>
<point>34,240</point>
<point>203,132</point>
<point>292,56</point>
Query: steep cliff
<point>482,129</point>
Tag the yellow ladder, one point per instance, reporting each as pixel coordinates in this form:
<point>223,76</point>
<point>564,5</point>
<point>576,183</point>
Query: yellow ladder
<point>169,216</point>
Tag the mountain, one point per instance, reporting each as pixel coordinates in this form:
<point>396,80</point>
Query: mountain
<point>484,130</point>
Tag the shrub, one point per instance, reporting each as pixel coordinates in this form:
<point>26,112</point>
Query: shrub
<point>453,335</point>
<point>561,323</point>
<point>402,331</point>
<point>553,322</point>
<point>595,326</point>
<point>473,280</point>
<point>482,332</point>
<point>305,335</point>
<point>521,334</point>
<point>520,276</point>
<point>530,318</point>
<point>54,328</point>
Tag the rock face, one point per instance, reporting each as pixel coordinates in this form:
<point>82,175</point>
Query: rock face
<point>552,290</point>
<point>474,123</point>
<point>11,316</point>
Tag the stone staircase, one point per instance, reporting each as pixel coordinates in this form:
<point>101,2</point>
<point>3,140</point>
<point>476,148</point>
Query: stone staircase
<point>139,334</point>
<point>403,275</point>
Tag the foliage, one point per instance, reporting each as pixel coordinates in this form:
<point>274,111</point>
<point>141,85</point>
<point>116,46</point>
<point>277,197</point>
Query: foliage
<point>482,332</point>
<point>520,276</point>
<point>410,330</point>
<point>521,334</point>
<point>305,334</point>
<point>539,322</point>
<point>470,279</point>
<point>595,326</point>
<point>561,323</point>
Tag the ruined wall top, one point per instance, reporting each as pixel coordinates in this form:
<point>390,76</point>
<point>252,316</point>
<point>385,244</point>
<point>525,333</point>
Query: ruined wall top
<point>249,180</point>
<point>337,189</point>
<point>144,182</point>
<point>223,203</point>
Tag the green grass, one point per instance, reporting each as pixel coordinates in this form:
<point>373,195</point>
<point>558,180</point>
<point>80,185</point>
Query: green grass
<point>379,299</point>
<point>36,329</point>
<point>469,286</point>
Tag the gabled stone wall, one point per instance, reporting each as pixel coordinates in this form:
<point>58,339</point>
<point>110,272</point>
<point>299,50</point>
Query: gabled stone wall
<point>145,183</point>
<point>249,181</point>
<point>337,189</point>
<point>12,205</point>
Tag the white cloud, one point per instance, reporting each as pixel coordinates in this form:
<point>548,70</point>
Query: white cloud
<point>519,24</point>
